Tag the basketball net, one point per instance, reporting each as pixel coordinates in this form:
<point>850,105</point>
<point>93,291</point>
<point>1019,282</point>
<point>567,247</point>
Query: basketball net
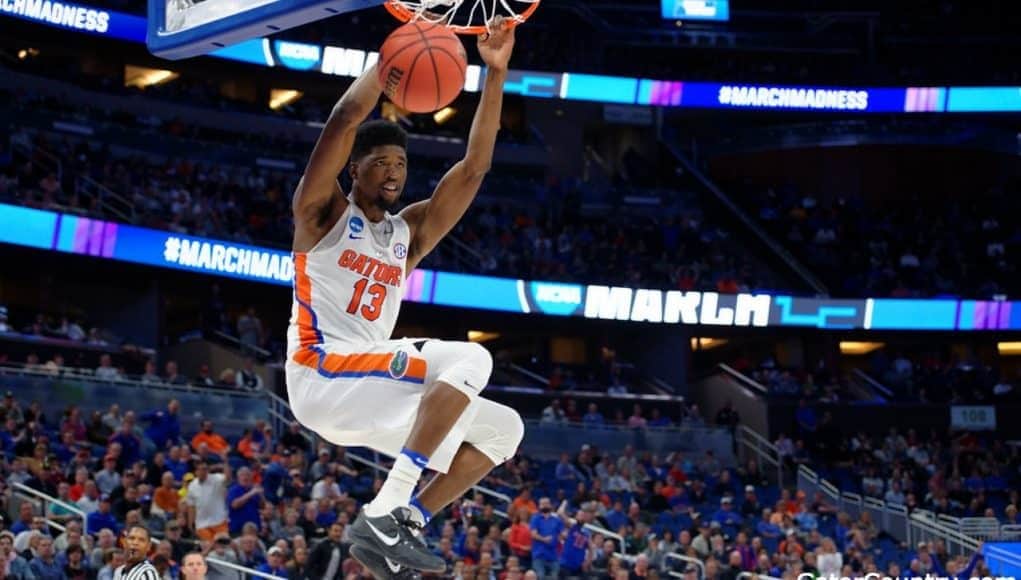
<point>463,16</point>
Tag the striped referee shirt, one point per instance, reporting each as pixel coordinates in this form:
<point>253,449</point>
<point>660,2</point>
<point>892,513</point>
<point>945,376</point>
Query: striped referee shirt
<point>139,571</point>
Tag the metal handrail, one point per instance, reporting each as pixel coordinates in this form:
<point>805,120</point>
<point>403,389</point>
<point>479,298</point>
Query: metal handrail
<point>608,534</point>
<point>35,493</point>
<point>873,382</point>
<point>237,341</point>
<point>690,560</point>
<point>87,375</point>
<point>764,450</point>
<point>759,576</point>
<point>741,215</point>
<point>218,562</point>
<point>748,381</point>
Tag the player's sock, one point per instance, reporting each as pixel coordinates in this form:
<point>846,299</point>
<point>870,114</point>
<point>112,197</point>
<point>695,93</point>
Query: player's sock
<point>419,513</point>
<point>399,484</point>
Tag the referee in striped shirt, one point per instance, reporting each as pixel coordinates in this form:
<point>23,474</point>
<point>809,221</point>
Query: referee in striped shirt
<point>136,548</point>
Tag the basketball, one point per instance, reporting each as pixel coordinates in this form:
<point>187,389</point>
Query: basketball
<point>422,67</point>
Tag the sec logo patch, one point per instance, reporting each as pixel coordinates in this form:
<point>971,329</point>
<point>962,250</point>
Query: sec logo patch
<point>400,251</point>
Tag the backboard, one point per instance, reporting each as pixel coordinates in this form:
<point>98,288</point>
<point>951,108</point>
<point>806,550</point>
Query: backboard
<point>184,28</point>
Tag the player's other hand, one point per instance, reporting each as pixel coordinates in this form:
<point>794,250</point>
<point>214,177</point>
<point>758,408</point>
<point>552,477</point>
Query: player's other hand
<point>496,46</point>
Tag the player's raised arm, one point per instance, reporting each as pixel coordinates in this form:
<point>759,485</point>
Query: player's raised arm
<point>431,219</point>
<point>319,184</point>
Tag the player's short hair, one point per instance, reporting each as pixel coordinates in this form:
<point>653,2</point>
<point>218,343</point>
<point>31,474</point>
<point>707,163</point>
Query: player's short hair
<point>376,134</point>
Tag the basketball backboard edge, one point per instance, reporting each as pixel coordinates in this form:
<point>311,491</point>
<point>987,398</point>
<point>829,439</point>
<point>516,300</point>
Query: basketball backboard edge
<point>272,17</point>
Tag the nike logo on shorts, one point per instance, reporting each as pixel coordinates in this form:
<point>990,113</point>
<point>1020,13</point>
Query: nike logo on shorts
<point>388,540</point>
<point>393,566</point>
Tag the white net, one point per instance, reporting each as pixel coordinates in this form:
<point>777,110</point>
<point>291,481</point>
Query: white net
<point>463,15</point>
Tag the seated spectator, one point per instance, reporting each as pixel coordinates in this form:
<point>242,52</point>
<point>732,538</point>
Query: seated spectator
<point>209,442</point>
<point>106,371</point>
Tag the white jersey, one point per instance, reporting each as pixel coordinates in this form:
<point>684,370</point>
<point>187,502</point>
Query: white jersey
<point>348,288</point>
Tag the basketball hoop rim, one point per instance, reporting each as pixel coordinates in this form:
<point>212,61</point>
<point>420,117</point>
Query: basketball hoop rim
<point>401,12</point>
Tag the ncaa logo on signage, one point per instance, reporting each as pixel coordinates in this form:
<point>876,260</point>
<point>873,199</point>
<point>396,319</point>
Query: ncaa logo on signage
<point>400,251</point>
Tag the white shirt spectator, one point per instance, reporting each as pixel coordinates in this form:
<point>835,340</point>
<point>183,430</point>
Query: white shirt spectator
<point>830,564</point>
<point>323,489</point>
<point>88,505</point>
<point>107,481</point>
<point>894,496</point>
<point>210,500</point>
<point>107,373</point>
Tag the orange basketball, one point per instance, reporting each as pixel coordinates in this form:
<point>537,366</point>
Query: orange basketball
<point>422,67</point>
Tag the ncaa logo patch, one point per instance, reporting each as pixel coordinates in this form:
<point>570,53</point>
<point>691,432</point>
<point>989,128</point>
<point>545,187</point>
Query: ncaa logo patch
<point>399,364</point>
<point>356,224</point>
<point>400,251</point>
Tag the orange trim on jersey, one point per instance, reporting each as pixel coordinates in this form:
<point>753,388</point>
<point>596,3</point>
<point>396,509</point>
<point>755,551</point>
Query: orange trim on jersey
<point>357,365</point>
<point>308,331</point>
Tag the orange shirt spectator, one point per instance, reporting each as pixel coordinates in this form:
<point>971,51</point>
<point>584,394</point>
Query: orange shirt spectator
<point>524,501</point>
<point>520,538</point>
<point>166,499</point>
<point>215,443</point>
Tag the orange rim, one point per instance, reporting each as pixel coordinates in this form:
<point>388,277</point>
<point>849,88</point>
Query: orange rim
<point>402,13</point>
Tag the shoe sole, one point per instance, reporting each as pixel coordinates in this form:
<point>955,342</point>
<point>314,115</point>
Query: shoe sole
<point>371,561</point>
<point>362,536</point>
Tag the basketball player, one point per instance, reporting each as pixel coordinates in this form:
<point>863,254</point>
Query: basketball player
<point>414,399</point>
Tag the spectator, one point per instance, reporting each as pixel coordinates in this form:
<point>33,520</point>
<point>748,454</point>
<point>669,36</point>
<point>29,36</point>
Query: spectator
<point>244,500</point>
<point>546,528</point>
<point>164,426</point>
<point>326,558</point>
<point>172,376</point>
<point>553,414</point>
<point>44,565</point>
<point>203,378</point>
<point>102,517</point>
<point>293,439</point>
<point>207,502</point>
<point>150,376</point>
<point>250,331</point>
<point>248,377</point>
<point>75,568</point>
<point>17,567</point>
<point>213,443</point>
<point>26,513</point>
<point>576,555</point>
<point>106,371</point>
<point>274,563</point>
<point>113,559</point>
<point>194,566</point>
<point>593,417</point>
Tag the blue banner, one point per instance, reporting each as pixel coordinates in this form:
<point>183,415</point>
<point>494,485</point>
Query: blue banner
<point>348,62</point>
<point>77,17</point>
<point>103,239</point>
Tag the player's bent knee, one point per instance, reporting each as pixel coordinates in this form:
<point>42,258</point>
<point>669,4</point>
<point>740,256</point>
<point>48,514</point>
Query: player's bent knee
<point>497,431</point>
<point>471,369</point>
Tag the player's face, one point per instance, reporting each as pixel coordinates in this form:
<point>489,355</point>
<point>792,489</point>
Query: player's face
<point>381,175</point>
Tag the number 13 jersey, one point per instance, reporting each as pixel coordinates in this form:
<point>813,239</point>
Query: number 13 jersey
<point>348,287</point>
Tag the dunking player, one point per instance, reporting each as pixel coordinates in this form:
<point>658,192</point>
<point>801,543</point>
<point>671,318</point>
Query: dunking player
<point>416,399</point>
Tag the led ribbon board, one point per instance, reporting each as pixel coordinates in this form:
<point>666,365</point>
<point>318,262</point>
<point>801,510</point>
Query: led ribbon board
<point>72,234</point>
<point>350,62</point>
